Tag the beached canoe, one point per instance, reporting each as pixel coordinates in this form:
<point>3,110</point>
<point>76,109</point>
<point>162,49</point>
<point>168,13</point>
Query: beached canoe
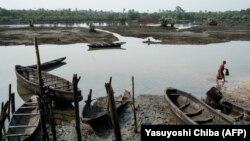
<point>25,121</point>
<point>49,64</point>
<point>106,45</point>
<point>59,88</point>
<point>97,113</point>
<point>193,111</point>
<point>215,99</point>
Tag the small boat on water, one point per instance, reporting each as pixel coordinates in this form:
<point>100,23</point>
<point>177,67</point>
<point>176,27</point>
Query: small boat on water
<point>237,113</point>
<point>25,121</point>
<point>59,88</point>
<point>106,45</point>
<point>98,113</point>
<point>193,111</point>
<point>49,64</point>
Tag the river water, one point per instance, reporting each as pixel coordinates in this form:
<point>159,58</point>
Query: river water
<point>192,68</point>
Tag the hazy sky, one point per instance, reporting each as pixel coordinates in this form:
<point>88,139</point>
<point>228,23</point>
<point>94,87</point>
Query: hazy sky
<point>118,5</point>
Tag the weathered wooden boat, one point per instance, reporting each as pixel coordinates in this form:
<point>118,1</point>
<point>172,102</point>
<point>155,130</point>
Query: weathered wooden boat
<point>237,113</point>
<point>25,121</point>
<point>98,112</point>
<point>59,88</point>
<point>193,111</point>
<point>106,45</point>
<point>49,64</point>
<point>113,48</point>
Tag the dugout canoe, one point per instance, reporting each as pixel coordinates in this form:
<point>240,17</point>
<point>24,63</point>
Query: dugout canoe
<point>193,111</point>
<point>49,64</point>
<point>97,113</point>
<point>59,89</point>
<point>215,99</point>
<point>106,45</point>
<point>25,121</point>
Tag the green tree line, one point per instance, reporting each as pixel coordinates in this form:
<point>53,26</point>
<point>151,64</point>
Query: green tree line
<point>69,15</point>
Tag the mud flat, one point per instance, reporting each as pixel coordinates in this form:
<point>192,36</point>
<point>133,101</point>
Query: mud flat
<point>195,35</point>
<point>51,35</point>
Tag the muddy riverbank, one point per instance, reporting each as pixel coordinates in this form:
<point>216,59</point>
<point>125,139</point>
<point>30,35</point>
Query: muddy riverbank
<point>194,35</point>
<point>153,110</point>
<point>51,35</point>
<point>70,35</point>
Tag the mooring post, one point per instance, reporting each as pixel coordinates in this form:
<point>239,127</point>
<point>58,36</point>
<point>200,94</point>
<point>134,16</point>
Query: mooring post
<point>76,102</point>
<point>52,120</point>
<point>13,105</point>
<point>45,135</point>
<point>110,81</point>
<point>3,116</point>
<point>133,91</point>
<point>113,111</point>
<point>88,102</point>
<point>10,101</point>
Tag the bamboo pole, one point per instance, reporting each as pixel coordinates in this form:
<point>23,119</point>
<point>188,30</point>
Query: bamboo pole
<point>76,98</point>
<point>113,111</point>
<point>41,101</point>
<point>133,91</point>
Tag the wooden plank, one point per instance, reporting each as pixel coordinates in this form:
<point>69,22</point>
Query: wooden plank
<point>26,114</point>
<point>209,119</point>
<point>195,113</point>
<point>16,135</point>
<point>184,106</point>
<point>28,107</point>
<point>22,126</point>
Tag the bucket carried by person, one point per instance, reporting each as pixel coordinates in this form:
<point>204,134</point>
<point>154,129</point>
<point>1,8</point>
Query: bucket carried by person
<point>227,72</point>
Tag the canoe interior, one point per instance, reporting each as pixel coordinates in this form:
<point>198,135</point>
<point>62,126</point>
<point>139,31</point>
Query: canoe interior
<point>194,110</point>
<point>24,121</point>
<point>97,112</point>
<point>235,112</point>
<point>60,89</point>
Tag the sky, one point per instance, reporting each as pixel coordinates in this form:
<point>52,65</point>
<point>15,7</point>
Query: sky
<point>138,5</point>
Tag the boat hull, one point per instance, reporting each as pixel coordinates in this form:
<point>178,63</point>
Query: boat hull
<point>193,111</point>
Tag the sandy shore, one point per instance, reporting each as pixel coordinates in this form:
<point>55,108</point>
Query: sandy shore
<point>52,35</point>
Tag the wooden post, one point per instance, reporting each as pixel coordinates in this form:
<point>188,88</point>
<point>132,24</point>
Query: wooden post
<point>3,116</point>
<point>88,102</point>
<point>133,91</point>
<point>40,101</point>
<point>110,81</point>
<point>13,105</point>
<point>113,111</point>
<point>76,102</point>
<point>10,101</point>
<point>52,120</point>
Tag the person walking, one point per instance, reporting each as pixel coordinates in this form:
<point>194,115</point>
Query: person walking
<point>221,74</point>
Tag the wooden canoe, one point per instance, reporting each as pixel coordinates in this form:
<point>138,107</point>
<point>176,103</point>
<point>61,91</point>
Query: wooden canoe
<point>193,111</point>
<point>239,114</point>
<point>49,64</point>
<point>106,45</point>
<point>25,121</point>
<point>59,88</point>
<point>97,113</point>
